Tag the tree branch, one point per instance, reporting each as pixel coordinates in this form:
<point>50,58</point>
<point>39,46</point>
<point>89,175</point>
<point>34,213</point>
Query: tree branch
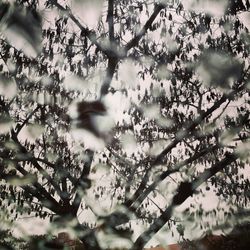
<point>110,20</point>
<point>112,63</point>
<point>134,41</point>
<point>140,195</point>
<point>91,34</point>
<point>40,193</point>
<point>168,172</point>
<point>189,128</point>
<point>52,165</point>
<point>42,171</point>
<point>159,159</point>
<point>186,189</point>
<point>82,182</point>
<point>20,126</point>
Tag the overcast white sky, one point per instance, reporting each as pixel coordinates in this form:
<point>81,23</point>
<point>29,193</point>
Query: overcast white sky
<point>38,226</point>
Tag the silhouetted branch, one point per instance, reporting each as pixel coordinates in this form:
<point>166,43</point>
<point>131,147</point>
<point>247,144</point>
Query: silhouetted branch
<point>42,171</point>
<point>110,20</point>
<point>134,41</point>
<point>185,190</point>
<point>91,34</point>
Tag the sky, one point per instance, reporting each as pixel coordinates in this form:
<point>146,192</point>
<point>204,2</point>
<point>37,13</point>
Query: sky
<point>38,226</point>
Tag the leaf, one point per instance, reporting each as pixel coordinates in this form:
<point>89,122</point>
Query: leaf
<point>243,151</point>
<point>157,147</point>
<point>87,138</point>
<point>127,74</point>
<point>31,132</point>
<point>212,7</point>
<point>22,181</point>
<point>129,144</point>
<point>227,136</point>
<point>5,124</point>
<point>22,28</point>
<point>111,238</point>
<point>8,87</point>
<point>35,130</point>
<point>151,111</point>
<point>218,69</point>
<point>100,170</point>
<point>74,83</point>
<point>117,104</point>
<point>170,3</point>
<point>88,10</point>
<point>163,73</point>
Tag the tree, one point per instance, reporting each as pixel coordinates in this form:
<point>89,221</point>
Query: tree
<point>161,88</point>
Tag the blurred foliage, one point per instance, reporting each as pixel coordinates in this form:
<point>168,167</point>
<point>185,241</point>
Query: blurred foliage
<point>9,242</point>
<point>238,239</point>
<point>113,113</point>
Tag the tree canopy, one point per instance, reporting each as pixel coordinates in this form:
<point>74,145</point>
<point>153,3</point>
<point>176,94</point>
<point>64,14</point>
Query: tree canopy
<point>122,111</point>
